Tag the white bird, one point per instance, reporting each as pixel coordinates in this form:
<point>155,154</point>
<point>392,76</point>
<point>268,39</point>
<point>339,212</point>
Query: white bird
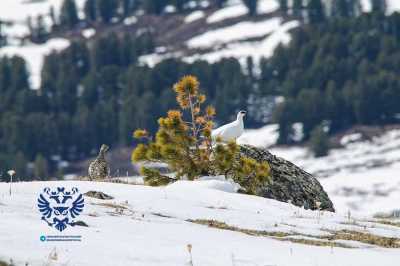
<point>230,131</point>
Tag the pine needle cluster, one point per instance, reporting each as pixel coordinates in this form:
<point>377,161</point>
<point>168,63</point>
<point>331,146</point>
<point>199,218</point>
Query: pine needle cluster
<point>186,144</point>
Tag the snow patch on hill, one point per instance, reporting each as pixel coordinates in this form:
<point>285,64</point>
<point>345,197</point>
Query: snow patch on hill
<point>236,8</point>
<point>34,55</point>
<point>239,31</point>
<point>20,10</point>
<point>195,15</point>
<point>226,43</point>
<point>392,6</point>
<point>263,137</point>
<point>256,49</point>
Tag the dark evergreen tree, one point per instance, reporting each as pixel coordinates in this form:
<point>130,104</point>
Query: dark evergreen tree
<point>128,6</point>
<point>41,168</point>
<point>282,116</point>
<point>179,4</point>
<point>345,8</point>
<point>220,3</point>
<point>3,37</point>
<point>319,142</point>
<point>20,166</point>
<point>54,22</point>
<point>297,8</point>
<point>251,6</point>
<point>250,70</point>
<point>19,74</point>
<point>69,14</point>
<point>154,6</point>
<point>90,94</point>
<point>106,51</point>
<point>283,6</point>
<point>316,11</point>
<point>40,34</point>
<point>379,6</point>
<point>107,9</point>
<point>90,10</point>
<point>49,75</point>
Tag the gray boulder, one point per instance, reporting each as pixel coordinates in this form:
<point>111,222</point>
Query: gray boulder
<point>289,182</point>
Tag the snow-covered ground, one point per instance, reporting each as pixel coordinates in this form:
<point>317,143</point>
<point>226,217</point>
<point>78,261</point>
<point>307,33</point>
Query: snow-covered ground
<point>363,176</point>
<point>150,226</point>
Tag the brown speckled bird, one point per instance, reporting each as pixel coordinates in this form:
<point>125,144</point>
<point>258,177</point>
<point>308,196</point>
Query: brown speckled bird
<point>98,169</point>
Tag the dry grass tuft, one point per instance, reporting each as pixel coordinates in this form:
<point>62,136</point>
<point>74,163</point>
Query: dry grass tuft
<point>224,226</point>
<point>386,222</point>
<point>363,237</point>
<point>2,263</point>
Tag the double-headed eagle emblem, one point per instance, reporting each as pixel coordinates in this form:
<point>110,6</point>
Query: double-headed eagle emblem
<point>59,208</point>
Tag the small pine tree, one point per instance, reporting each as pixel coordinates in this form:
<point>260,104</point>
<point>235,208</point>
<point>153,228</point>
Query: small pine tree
<point>319,141</point>
<point>41,168</point>
<point>187,148</point>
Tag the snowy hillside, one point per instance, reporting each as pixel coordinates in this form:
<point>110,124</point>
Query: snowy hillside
<point>226,32</point>
<point>240,39</point>
<point>153,226</point>
<point>363,176</point>
<point>244,38</point>
<point>15,14</point>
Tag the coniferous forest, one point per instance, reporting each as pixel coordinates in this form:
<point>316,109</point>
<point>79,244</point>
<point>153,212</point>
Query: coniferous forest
<point>340,69</point>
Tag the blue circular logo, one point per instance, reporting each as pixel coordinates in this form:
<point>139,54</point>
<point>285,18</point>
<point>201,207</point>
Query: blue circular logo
<point>42,238</point>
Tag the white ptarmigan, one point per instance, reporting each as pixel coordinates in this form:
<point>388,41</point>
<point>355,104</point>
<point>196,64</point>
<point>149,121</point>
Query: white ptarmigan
<point>230,131</point>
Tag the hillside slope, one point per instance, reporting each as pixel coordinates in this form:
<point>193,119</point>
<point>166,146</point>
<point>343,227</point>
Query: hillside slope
<point>153,226</point>
<point>361,176</point>
<point>205,33</point>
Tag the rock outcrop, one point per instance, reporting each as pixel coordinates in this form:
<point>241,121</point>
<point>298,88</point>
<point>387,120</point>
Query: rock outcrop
<point>289,182</point>
<point>98,195</point>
